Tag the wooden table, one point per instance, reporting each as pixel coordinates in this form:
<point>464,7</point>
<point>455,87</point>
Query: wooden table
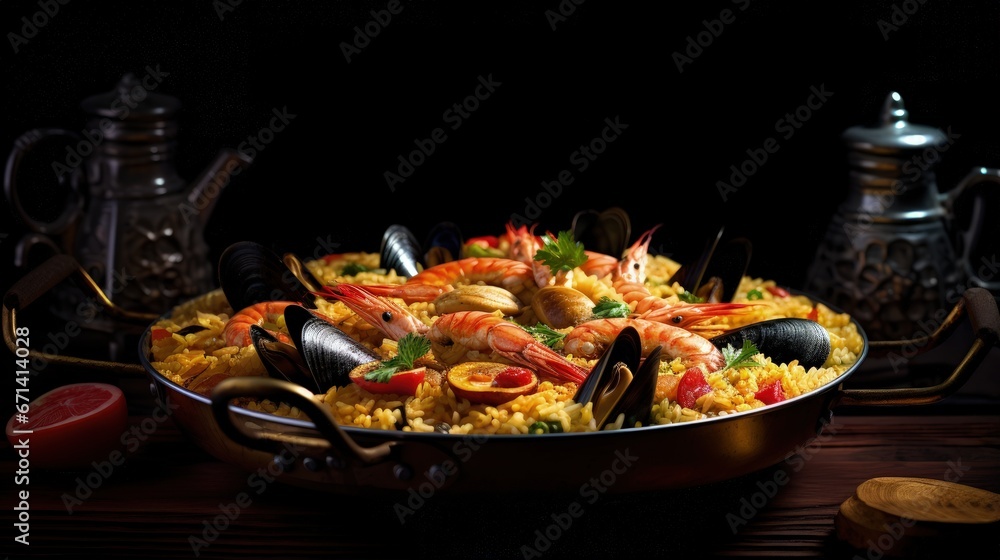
<point>172,500</point>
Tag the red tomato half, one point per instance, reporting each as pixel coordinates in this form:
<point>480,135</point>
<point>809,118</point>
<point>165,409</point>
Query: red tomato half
<point>71,426</point>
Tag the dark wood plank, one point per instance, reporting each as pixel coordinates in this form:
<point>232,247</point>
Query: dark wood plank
<point>163,502</point>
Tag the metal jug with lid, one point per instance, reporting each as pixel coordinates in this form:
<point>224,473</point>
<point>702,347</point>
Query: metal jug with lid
<point>129,219</point>
<point>897,255</point>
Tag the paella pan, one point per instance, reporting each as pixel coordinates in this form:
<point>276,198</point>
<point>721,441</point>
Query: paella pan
<point>291,390</point>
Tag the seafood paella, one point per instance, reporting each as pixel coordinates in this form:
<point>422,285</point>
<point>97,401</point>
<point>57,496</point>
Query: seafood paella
<point>515,333</point>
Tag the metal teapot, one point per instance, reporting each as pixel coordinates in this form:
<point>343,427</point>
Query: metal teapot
<point>129,219</point>
<point>898,254</point>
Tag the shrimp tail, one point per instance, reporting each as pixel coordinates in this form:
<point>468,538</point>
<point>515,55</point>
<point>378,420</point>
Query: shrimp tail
<point>511,342</point>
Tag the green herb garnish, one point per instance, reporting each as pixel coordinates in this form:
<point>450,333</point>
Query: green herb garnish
<point>754,294</point>
<point>545,334</point>
<point>689,297</point>
<point>740,359</point>
<point>409,348</point>
<point>352,268</point>
<point>608,307</point>
<point>561,253</point>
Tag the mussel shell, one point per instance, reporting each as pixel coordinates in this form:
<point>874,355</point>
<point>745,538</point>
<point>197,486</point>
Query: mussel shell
<point>625,348</point>
<point>328,352</point>
<point>443,244</point>
<point>783,340</point>
<point>250,273</point>
<point>637,402</point>
<point>400,251</point>
<point>302,273</point>
<point>606,232</point>
<point>280,359</point>
<point>720,264</point>
<point>560,307</point>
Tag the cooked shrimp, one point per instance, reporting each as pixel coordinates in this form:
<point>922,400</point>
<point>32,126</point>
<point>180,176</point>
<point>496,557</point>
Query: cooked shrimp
<point>589,340</point>
<point>599,264</point>
<point>515,276</point>
<point>484,332</point>
<point>475,330</point>
<point>629,281</point>
<point>237,329</point>
<point>382,313</point>
<point>524,245</point>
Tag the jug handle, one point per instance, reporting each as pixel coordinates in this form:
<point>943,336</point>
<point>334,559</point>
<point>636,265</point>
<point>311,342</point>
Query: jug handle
<point>73,208</point>
<point>970,232</point>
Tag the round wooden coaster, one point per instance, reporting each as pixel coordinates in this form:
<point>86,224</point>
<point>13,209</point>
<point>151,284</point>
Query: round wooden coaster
<point>926,499</point>
<point>901,517</point>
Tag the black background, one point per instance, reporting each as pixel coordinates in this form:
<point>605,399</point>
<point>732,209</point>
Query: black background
<point>322,177</point>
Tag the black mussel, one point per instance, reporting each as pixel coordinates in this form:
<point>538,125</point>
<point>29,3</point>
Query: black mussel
<point>606,232</point>
<point>783,340</point>
<point>400,251</point>
<point>637,402</point>
<point>621,381</point>
<point>444,244</point>
<point>329,352</point>
<point>716,273</point>
<point>250,273</point>
<point>302,273</point>
<point>726,269</point>
<point>282,360</point>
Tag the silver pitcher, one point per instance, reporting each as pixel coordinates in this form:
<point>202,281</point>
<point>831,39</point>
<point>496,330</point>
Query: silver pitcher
<point>897,254</point>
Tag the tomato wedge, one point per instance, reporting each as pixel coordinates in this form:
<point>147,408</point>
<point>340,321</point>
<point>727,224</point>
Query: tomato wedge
<point>71,426</point>
<point>692,386</point>
<point>401,382</point>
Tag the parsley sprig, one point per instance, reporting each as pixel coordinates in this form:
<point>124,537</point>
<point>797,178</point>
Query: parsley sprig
<point>608,307</point>
<point>545,334</point>
<point>561,253</point>
<point>409,348</point>
<point>742,358</point>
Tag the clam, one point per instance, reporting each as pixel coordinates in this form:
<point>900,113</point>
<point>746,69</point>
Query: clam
<point>473,297</point>
<point>400,251</point>
<point>327,352</point>
<point>606,232</point>
<point>250,273</point>
<point>783,340</point>
<point>622,382</point>
<point>560,307</point>
<point>444,244</point>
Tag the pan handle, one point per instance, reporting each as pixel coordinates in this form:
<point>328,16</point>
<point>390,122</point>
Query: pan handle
<point>295,395</point>
<point>38,282</point>
<point>390,464</point>
<point>981,308</point>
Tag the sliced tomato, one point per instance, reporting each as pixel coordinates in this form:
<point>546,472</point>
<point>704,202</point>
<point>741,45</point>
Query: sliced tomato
<point>71,426</point>
<point>770,392</point>
<point>692,386</point>
<point>401,382</point>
